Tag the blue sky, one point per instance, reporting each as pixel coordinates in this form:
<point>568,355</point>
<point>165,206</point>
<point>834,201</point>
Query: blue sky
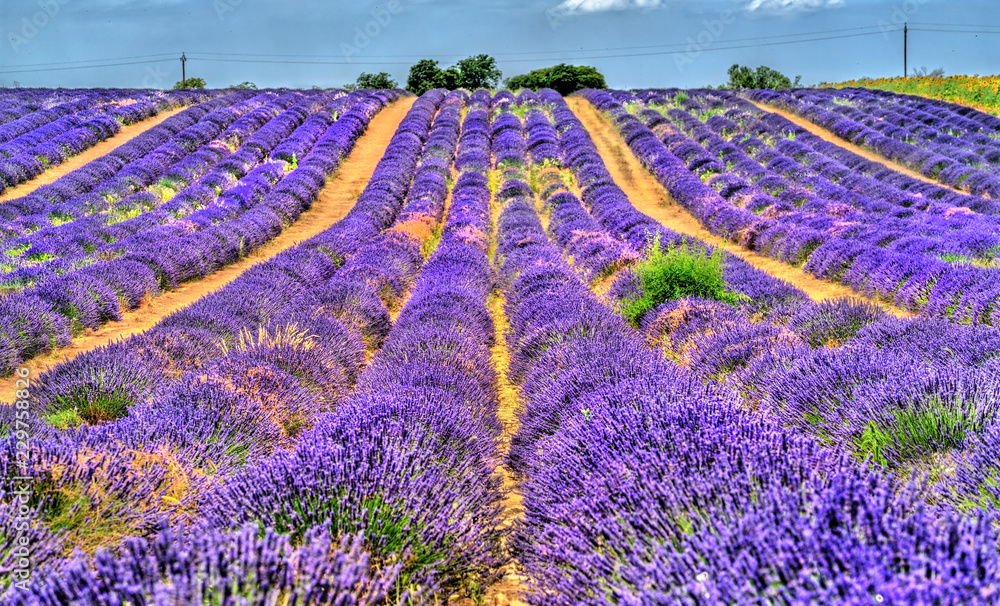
<point>627,40</point>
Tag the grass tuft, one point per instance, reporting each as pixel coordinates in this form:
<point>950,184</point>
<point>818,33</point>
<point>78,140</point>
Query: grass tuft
<point>674,273</point>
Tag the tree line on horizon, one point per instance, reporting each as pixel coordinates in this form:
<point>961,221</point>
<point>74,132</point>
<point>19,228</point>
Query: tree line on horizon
<point>481,71</point>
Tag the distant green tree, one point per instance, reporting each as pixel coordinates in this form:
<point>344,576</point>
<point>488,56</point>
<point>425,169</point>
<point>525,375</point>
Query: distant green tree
<point>563,78</point>
<point>479,71</point>
<point>533,80</point>
<point>379,80</point>
<point>245,85</point>
<point>190,83</point>
<point>741,76</point>
<point>450,78</point>
<point>566,79</point>
<point>924,73</point>
<point>424,75</point>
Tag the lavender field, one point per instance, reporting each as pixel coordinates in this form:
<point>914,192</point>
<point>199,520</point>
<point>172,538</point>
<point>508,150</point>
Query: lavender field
<point>554,351</point>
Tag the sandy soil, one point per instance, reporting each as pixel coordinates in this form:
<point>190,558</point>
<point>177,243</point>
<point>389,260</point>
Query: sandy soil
<point>507,590</point>
<point>123,136</point>
<point>652,199</point>
<point>335,200</point>
<point>828,136</point>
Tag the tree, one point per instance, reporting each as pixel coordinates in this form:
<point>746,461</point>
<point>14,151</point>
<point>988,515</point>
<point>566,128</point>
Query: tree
<point>479,71</point>
<point>424,75</point>
<point>450,78</point>
<point>563,78</point>
<point>923,73</point>
<point>190,83</point>
<point>741,76</point>
<point>379,80</point>
<point>245,85</point>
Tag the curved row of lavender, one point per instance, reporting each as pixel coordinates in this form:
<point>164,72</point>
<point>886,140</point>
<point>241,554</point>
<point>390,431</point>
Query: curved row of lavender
<point>60,238</point>
<point>48,136</point>
<point>777,178</point>
<point>928,368</point>
<point>954,145</point>
<point>200,231</point>
<point>244,377</point>
<point>643,486</point>
<point>417,439</point>
<point>960,292</point>
<point>785,163</point>
<point>16,103</point>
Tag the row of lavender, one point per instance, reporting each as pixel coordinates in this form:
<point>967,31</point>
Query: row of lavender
<point>959,291</point>
<point>57,237</point>
<point>790,184</point>
<point>48,136</point>
<point>17,103</point>
<point>779,170</point>
<point>247,375</point>
<point>955,145</point>
<point>253,210</point>
<point>623,507</point>
<point>889,370</point>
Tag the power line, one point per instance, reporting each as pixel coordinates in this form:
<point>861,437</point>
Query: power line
<point>220,56</point>
<point>60,69</point>
<point>559,52</point>
<point>953,31</point>
<point>954,24</point>
<point>57,63</point>
<point>57,66</point>
<point>532,60</point>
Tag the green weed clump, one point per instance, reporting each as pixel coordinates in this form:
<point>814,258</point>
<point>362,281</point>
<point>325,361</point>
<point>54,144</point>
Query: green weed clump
<point>674,273</point>
<point>914,434</point>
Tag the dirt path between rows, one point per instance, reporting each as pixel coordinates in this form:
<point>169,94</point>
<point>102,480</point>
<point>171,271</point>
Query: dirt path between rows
<point>512,583</point>
<point>830,137</point>
<point>509,589</point>
<point>103,148</point>
<point>649,197</point>
<point>335,200</point>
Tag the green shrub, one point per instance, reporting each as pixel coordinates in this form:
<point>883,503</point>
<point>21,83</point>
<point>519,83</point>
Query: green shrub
<point>673,273</point>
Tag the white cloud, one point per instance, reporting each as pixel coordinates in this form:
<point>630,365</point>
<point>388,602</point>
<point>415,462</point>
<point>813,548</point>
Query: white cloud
<point>789,6</point>
<point>595,6</point>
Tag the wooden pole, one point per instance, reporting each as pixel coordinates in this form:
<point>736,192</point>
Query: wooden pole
<point>905,36</point>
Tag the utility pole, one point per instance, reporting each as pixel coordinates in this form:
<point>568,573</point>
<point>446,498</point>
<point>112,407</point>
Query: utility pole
<point>905,35</point>
<point>183,71</point>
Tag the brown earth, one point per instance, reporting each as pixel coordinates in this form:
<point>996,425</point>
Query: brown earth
<point>867,154</point>
<point>511,585</point>
<point>103,148</point>
<point>649,197</point>
<point>335,200</point>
